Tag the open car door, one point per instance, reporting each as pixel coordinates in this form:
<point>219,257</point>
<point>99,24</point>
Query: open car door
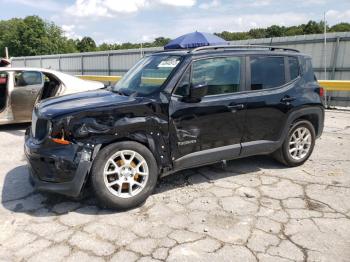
<point>3,90</point>
<point>27,87</point>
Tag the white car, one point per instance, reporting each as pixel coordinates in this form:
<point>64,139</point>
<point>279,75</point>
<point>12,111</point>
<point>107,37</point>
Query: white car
<point>22,88</point>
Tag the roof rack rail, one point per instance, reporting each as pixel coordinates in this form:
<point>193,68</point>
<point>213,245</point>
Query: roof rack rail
<point>216,47</point>
<point>170,50</point>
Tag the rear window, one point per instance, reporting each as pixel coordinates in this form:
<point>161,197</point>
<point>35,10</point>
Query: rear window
<point>267,72</point>
<point>308,72</point>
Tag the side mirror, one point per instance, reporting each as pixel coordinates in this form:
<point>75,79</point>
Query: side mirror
<point>198,91</point>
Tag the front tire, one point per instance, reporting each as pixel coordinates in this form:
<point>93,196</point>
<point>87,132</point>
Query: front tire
<point>123,175</point>
<point>298,145</point>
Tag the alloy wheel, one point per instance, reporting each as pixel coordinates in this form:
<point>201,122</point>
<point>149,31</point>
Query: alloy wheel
<point>125,173</point>
<point>300,143</point>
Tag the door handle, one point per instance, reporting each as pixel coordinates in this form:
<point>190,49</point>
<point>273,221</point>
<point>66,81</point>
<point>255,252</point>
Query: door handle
<point>236,107</point>
<point>287,99</point>
<point>32,91</point>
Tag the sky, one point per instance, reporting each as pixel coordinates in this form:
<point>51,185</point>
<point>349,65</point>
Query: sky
<point>118,21</point>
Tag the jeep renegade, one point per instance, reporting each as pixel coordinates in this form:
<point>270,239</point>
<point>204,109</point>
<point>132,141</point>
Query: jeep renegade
<point>175,110</point>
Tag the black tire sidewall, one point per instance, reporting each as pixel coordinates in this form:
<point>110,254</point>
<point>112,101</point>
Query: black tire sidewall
<point>105,197</point>
<point>285,148</point>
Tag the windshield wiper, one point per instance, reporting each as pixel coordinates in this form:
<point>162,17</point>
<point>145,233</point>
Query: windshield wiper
<point>119,92</point>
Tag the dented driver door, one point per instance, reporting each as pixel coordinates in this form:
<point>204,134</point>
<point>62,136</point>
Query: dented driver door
<point>209,130</point>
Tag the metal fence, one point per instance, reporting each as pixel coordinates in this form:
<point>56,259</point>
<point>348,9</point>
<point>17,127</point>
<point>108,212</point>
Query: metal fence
<point>118,62</point>
<point>115,62</point>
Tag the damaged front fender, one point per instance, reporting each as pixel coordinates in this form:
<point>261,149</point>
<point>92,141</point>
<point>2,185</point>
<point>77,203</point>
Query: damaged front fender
<point>144,123</point>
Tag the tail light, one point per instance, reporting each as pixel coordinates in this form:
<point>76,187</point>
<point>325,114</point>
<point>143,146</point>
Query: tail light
<point>321,91</point>
<point>3,80</point>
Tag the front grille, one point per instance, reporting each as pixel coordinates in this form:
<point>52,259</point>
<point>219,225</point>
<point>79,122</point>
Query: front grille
<point>40,127</point>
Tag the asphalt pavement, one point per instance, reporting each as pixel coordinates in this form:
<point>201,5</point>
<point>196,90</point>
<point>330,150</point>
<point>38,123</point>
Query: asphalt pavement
<point>253,209</point>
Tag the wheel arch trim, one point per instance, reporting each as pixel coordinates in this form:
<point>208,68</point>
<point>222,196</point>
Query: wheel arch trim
<point>313,114</point>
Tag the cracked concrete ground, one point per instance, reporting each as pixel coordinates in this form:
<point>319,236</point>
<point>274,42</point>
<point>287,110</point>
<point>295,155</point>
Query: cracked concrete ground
<point>252,210</point>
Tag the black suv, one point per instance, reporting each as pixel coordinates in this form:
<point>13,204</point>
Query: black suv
<point>176,110</point>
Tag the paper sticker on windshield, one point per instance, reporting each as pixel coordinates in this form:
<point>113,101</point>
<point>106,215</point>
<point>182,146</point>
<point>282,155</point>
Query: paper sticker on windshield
<point>169,63</point>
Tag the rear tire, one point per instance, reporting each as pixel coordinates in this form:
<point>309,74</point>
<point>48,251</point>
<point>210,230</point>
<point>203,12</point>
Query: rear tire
<point>298,145</point>
<point>123,175</point>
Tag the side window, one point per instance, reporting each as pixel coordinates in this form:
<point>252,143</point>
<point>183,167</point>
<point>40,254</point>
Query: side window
<point>222,75</point>
<point>293,67</point>
<point>183,88</point>
<point>308,72</point>
<point>267,72</point>
<point>26,78</point>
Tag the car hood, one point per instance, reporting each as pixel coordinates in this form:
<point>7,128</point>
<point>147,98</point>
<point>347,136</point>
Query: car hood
<point>81,86</point>
<point>84,101</point>
<point>73,84</point>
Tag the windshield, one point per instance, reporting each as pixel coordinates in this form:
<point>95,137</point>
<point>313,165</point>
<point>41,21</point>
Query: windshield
<point>148,75</point>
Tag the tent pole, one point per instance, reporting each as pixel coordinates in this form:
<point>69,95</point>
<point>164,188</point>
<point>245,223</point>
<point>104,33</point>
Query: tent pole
<point>6,53</point>
<point>325,55</point>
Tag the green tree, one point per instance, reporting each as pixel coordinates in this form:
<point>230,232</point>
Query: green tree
<point>231,36</point>
<point>11,37</point>
<point>341,27</point>
<point>275,31</point>
<point>70,46</point>
<point>161,41</point>
<point>294,30</point>
<point>86,44</point>
<point>33,36</point>
<point>313,27</point>
<point>257,33</point>
<point>105,47</point>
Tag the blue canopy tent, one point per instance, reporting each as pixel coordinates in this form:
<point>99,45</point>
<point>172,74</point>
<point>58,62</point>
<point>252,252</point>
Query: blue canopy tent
<point>195,39</point>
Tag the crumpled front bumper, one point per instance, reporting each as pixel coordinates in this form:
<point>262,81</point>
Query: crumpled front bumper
<point>57,168</point>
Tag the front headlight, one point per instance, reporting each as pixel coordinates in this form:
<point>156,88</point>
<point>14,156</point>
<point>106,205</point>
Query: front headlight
<point>41,128</point>
<point>59,134</point>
